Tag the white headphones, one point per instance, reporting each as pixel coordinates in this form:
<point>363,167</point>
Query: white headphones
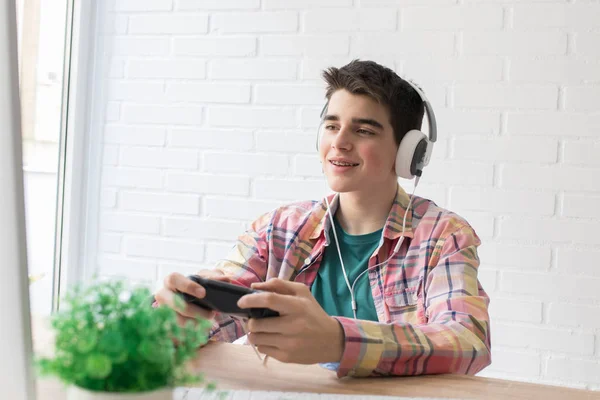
<point>414,151</point>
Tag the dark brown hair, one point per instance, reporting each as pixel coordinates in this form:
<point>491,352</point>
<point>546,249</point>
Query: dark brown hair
<point>382,85</point>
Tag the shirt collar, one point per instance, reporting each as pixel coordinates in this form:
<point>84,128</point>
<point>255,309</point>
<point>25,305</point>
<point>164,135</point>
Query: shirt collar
<point>393,225</point>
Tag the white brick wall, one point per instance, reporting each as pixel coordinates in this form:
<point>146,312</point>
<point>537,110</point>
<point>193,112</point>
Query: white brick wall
<point>208,109</point>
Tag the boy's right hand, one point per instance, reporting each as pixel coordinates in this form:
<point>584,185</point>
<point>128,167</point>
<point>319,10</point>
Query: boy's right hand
<point>175,283</point>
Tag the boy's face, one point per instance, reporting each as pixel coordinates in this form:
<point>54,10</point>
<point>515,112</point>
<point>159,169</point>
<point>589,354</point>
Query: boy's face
<point>357,148</point>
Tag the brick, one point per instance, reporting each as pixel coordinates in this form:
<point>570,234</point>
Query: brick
<point>208,184</point>
<point>581,206</point>
<point>312,68</point>
<point>582,153</point>
<point>555,71</point>
<point>582,16</point>
<point>582,98</point>
<point>165,269</point>
<point>406,43</point>
<point>159,158</point>
<point>132,178</point>
<point>515,256</point>
<point>515,363</point>
<point>306,45</point>
<point>252,117</point>
<point>350,20</point>
<point>162,114</point>
<point>244,209</point>
<point>503,201</point>
<point>208,93</point>
<point>487,278</point>
<point>108,198</point>
<point>579,262</point>
<point>110,155</point>
<point>164,249</point>
<point>245,69</point>
<point>139,46</point>
<point>586,44</point>
<point>463,69</point>
<point>552,230</point>
<point>307,166</point>
<point>217,251</point>
<point>211,139</point>
<point>564,124</point>
<point>462,17</point>
<point>135,91</point>
<point>514,43</point>
<point>143,5</point>
<point>288,189</point>
<point>501,96</point>
<point>160,202</point>
<point>122,222</point>
<point>127,269</point>
<point>506,149</point>
<point>304,4</point>
<point>460,122</point>
<point>389,3</point>
<point>286,142</point>
<point>110,242</point>
<point>577,370</point>
<point>251,164</point>
<point>289,94</point>
<point>481,222</point>
<point>557,177</point>
<point>116,68</point>
<point>545,286</point>
<point>544,339</point>
<point>216,4</point>
<point>309,117</point>
<point>214,47</point>
<point>176,68</point>
<point>114,24</point>
<point>165,24</point>
<point>513,310</point>
<point>458,173</point>
<point>202,228</point>
<point>134,135</point>
<point>113,111</point>
<point>255,22</point>
<point>575,315</point>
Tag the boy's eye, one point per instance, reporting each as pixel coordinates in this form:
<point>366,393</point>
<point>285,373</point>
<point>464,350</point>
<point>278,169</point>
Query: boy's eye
<point>365,132</point>
<point>330,127</point>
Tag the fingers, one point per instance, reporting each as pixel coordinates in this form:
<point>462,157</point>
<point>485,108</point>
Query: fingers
<point>286,325</point>
<point>282,287</point>
<point>284,304</point>
<point>168,297</point>
<point>179,283</point>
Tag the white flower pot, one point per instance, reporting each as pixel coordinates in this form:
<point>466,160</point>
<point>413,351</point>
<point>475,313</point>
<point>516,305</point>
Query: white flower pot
<point>77,393</point>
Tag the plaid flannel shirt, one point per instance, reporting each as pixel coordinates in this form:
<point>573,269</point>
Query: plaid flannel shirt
<point>432,310</point>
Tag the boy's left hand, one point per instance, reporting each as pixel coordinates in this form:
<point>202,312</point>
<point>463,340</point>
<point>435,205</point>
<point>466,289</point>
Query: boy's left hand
<point>302,334</point>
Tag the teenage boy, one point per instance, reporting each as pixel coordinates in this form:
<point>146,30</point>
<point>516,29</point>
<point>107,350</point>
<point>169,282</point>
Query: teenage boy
<point>371,278</point>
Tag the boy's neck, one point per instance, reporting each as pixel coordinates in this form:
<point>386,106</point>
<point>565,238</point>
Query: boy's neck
<point>360,213</point>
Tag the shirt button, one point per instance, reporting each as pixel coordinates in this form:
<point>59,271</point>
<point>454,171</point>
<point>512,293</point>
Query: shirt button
<point>307,261</point>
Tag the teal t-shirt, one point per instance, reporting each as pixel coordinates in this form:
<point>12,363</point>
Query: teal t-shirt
<point>329,287</point>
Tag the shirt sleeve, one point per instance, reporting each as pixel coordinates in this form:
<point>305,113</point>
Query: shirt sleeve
<point>246,263</point>
<point>456,335</point>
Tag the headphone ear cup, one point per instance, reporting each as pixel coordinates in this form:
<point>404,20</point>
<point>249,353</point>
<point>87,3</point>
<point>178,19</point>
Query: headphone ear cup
<point>410,153</point>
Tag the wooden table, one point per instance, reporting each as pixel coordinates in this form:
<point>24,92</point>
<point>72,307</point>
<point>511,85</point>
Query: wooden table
<point>237,367</point>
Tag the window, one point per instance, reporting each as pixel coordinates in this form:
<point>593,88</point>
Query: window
<point>42,27</point>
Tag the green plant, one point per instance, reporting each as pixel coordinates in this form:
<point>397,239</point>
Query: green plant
<point>108,338</point>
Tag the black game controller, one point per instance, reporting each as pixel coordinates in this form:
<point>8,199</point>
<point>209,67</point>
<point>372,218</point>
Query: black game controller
<point>223,297</point>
